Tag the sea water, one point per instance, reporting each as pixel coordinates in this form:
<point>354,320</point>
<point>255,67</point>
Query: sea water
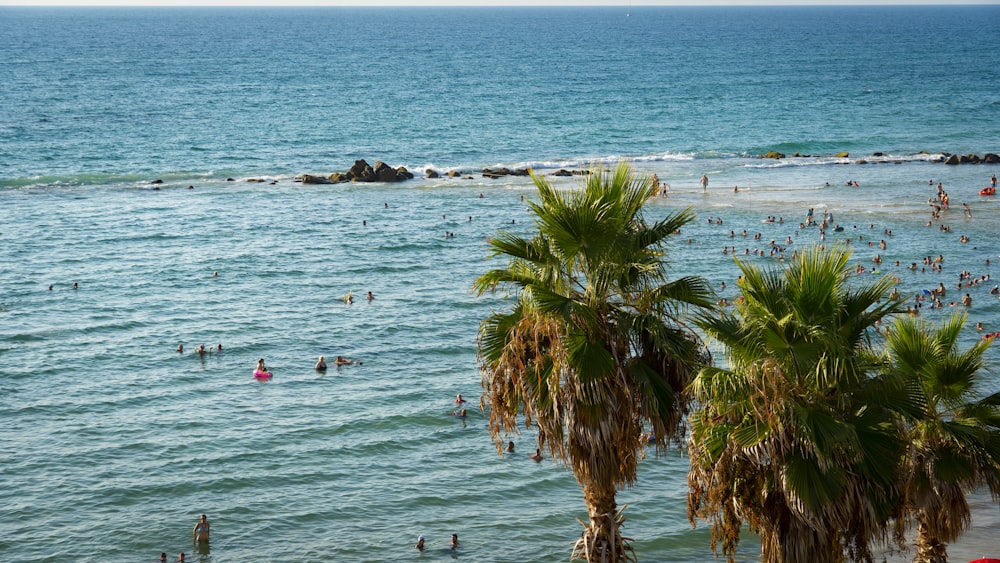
<point>114,443</point>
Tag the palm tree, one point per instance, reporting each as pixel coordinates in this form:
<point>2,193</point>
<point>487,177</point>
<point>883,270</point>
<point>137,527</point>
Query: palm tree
<point>954,434</point>
<point>593,350</point>
<point>796,438</point>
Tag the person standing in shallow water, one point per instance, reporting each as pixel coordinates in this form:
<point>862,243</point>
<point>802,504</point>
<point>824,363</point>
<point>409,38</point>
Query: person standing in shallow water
<point>704,182</point>
<point>201,530</point>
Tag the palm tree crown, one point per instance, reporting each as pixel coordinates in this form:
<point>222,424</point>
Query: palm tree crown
<point>795,438</point>
<point>592,350</point>
<point>954,434</point>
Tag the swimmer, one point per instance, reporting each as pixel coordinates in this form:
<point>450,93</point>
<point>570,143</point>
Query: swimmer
<point>420,543</point>
<point>342,361</point>
<point>260,366</point>
<point>510,444</point>
<point>201,351</point>
<point>369,297</point>
<point>163,557</point>
<point>201,530</point>
<point>180,348</point>
<point>459,400</point>
<point>320,364</point>
<point>704,183</point>
<point>453,543</point>
<point>459,414</point>
<point>537,456</point>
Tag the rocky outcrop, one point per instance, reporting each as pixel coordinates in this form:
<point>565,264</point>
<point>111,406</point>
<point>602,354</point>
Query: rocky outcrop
<point>842,155</point>
<point>501,172</point>
<point>564,172</point>
<point>431,173</point>
<point>362,172</point>
<point>774,154</point>
<point>989,158</point>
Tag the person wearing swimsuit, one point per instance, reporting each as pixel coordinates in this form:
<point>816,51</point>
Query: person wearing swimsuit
<point>201,529</point>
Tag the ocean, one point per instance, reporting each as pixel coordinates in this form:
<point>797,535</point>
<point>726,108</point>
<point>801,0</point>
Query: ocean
<point>115,443</point>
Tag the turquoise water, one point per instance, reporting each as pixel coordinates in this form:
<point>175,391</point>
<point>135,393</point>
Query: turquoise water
<point>116,443</point>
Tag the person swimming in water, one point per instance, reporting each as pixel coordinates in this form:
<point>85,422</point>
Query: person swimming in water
<point>321,364</point>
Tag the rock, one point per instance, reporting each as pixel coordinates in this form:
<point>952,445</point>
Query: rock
<point>774,154</point>
<point>384,173</point>
<point>991,158</point>
<point>361,172</point>
<point>255,180</point>
<point>454,173</point>
<point>842,155</point>
<point>230,179</point>
<point>952,159</point>
<point>878,154</point>
<point>403,174</point>
<point>862,161</point>
<point>157,181</point>
<point>562,172</point>
<point>431,173</point>
<point>310,179</point>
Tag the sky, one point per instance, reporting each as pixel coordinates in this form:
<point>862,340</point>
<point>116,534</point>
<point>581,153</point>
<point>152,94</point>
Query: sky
<point>474,2</point>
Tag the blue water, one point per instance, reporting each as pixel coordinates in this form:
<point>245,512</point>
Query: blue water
<point>115,443</point>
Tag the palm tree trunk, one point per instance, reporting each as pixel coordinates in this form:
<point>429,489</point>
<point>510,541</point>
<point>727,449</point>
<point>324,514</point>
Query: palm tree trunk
<point>601,540</point>
<point>929,549</point>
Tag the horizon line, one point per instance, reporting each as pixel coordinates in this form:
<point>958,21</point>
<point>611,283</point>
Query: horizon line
<point>479,3</point>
